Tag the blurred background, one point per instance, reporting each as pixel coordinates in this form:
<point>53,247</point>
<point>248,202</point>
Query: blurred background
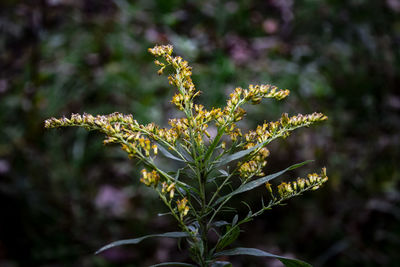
<point>63,194</point>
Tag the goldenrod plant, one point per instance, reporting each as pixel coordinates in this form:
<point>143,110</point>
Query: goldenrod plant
<point>216,167</point>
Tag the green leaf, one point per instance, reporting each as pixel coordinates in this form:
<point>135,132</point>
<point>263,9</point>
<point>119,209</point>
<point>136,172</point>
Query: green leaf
<point>221,264</point>
<point>220,223</point>
<point>231,235</point>
<point>166,153</point>
<point>224,173</point>
<point>235,220</point>
<point>177,174</point>
<point>139,239</point>
<point>163,214</point>
<point>225,160</point>
<point>184,153</point>
<point>288,262</point>
<point>173,264</point>
<point>258,182</point>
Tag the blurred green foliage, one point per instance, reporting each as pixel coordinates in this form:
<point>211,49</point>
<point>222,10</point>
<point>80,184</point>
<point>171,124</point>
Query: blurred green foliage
<point>63,196</point>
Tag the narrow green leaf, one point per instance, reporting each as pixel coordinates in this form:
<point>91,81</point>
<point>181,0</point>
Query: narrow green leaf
<point>235,220</point>
<point>220,223</point>
<point>248,206</point>
<point>194,227</point>
<point>173,264</point>
<point>230,236</point>
<point>168,154</point>
<point>200,245</point>
<point>249,214</point>
<point>225,160</point>
<point>139,239</point>
<point>184,153</point>
<point>224,173</point>
<point>288,262</point>
<point>177,174</point>
<point>258,182</point>
<point>163,214</point>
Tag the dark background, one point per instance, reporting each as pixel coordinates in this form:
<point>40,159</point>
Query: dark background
<point>63,194</point>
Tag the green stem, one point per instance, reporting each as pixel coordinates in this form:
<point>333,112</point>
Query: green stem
<point>168,204</point>
<point>214,144</point>
<point>203,223</point>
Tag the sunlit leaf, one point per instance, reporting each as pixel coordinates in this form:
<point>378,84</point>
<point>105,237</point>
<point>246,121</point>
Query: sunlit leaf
<point>184,153</point>
<point>225,160</point>
<point>253,184</point>
<point>139,239</point>
<point>168,154</point>
<point>235,220</point>
<point>288,262</point>
<point>224,173</point>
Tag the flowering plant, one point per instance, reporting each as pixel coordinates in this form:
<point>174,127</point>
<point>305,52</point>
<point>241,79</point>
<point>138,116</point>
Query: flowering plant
<point>215,168</point>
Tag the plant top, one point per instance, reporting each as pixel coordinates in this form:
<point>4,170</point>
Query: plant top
<point>215,167</point>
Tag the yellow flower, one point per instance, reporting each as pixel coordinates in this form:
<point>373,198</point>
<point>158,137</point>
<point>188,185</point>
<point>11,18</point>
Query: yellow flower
<point>150,178</point>
<point>182,208</point>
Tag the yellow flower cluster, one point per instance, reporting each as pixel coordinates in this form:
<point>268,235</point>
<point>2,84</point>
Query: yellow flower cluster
<point>233,112</point>
<point>134,137</point>
<point>283,126</point>
<point>312,182</point>
<point>301,120</point>
<point>234,132</point>
<point>90,121</point>
<point>257,92</point>
<point>150,178</point>
<point>254,166</point>
<point>203,117</point>
<point>199,124</point>
<point>254,94</point>
<point>180,127</point>
<point>183,209</point>
<point>168,135</point>
<point>161,50</point>
<point>168,188</point>
<point>119,128</point>
<point>181,78</point>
